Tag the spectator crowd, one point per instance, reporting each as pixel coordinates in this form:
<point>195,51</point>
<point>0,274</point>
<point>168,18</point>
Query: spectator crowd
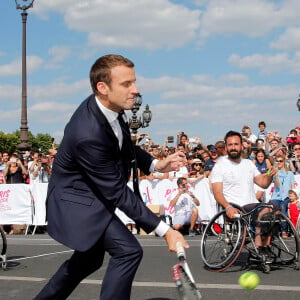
<point>266,149</point>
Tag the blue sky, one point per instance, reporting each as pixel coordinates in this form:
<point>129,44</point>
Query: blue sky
<point>203,66</point>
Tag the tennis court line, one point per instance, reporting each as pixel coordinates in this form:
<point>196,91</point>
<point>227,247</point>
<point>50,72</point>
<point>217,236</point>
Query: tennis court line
<point>166,284</point>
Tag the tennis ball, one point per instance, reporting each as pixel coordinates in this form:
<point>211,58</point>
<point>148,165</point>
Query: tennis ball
<point>249,280</point>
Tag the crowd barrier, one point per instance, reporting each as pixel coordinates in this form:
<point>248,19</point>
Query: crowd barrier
<point>25,204</point>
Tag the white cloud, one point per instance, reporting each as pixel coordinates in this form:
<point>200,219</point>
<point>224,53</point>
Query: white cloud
<point>60,90</point>
<point>59,53</point>
<point>252,18</point>
<point>144,24</point>
<point>289,40</point>
<point>267,63</point>
<point>15,67</point>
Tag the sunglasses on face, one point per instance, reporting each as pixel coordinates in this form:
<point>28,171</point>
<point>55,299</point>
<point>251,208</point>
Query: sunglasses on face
<point>279,161</point>
<point>197,165</point>
<point>296,149</point>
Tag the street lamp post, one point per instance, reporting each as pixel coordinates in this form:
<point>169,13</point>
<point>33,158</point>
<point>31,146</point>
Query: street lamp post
<point>23,146</point>
<point>134,122</point>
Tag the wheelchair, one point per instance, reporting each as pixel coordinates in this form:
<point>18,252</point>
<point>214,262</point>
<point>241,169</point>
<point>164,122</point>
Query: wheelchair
<point>224,239</point>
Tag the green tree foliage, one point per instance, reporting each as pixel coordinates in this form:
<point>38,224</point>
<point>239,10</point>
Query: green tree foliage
<point>40,142</point>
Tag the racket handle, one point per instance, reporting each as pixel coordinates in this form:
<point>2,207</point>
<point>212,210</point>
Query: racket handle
<point>180,251</point>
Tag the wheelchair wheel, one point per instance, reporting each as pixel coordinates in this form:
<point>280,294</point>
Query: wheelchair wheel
<point>286,251</point>
<point>222,241</point>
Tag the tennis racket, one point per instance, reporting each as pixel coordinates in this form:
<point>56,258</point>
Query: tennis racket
<point>183,277</point>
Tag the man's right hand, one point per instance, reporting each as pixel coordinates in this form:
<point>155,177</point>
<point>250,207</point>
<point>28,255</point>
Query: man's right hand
<point>232,211</point>
<point>172,237</point>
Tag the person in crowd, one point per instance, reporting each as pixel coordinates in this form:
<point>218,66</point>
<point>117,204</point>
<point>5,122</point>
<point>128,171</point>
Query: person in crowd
<point>46,170</point>
<point>283,182</point>
<point>89,180</point>
<point>2,167</point>
<point>189,157</point>
<point>184,141</point>
<point>183,171</point>
<point>233,179</point>
<point>34,168</point>
<point>14,171</point>
<point>185,206</point>
<point>157,154</point>
<point>261,145</point>
<point>4,160</point>
<point>249,136</point>
<point>295,159</point>
<point>197,169</point>
<point>261,161</point>
<point>221,149</point>
<point>209,162</point>
<point>262,131</point>
<point>293,137</point>
<point>294,207</point>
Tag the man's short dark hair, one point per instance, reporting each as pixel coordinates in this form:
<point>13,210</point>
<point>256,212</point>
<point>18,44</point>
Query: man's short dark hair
<point>180,180</point>
<point>262,123</point>
<point>101,69</point>
<point>232,133</point>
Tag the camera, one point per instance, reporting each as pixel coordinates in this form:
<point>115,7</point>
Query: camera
<point>13,160</point>
<point>183,185</point>
<point>254,147</point>
<point>170,139</point>
<point>244,134</point>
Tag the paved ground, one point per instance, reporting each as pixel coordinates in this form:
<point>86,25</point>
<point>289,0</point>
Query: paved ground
<point>29,268</point>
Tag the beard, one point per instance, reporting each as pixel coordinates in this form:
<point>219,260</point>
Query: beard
<point>233,154</point>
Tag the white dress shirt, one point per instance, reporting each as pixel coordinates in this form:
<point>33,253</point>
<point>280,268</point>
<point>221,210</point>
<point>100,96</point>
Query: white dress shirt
<point>112,118</point>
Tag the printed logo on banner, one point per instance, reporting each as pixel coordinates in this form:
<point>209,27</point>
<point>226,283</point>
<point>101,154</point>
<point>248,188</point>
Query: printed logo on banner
<point>4,198</point>
<point>167,199</point>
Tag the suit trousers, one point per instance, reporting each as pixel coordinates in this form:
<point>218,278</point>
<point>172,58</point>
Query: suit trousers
<point>126,254</point>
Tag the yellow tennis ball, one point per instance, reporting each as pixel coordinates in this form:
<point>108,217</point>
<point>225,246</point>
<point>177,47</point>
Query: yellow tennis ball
<point>249,280</point>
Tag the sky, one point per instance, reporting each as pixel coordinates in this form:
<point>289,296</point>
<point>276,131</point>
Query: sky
<point>203,66</point>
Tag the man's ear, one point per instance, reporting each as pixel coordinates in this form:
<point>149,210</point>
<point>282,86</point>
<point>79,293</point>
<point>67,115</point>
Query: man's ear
<point>102,88</point>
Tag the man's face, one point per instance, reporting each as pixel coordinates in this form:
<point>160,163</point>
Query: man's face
<point>122,90</point>
<point>297,150</point>
<point>234,147</point>
<point>248,132</point>
<point>5,157</point>
<point>262,127</point>
<point>274,144</point>
<point>184,185</point>
<point>180,148</point>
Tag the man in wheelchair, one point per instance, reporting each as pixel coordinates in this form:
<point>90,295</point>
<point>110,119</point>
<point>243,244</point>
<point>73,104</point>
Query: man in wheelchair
<point>233,179</point>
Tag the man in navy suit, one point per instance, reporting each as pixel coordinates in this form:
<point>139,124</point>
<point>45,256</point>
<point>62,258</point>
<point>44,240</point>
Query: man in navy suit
<point>89,180</point>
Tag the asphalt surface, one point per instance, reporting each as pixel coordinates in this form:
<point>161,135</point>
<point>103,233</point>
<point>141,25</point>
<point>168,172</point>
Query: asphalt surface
<point>33,259</point>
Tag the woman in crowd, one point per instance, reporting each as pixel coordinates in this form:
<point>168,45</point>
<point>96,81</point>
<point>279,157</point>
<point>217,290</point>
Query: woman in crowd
<point>197,170</point>
<point>283,182</point>
<point>262,163</point>
<point>14,171</point>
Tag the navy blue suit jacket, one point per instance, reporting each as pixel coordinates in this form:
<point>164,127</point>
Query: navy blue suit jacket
<point>89,180</point>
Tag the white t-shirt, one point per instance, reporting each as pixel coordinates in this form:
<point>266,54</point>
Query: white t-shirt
<point>184,205</point>
<point>237,179</point>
